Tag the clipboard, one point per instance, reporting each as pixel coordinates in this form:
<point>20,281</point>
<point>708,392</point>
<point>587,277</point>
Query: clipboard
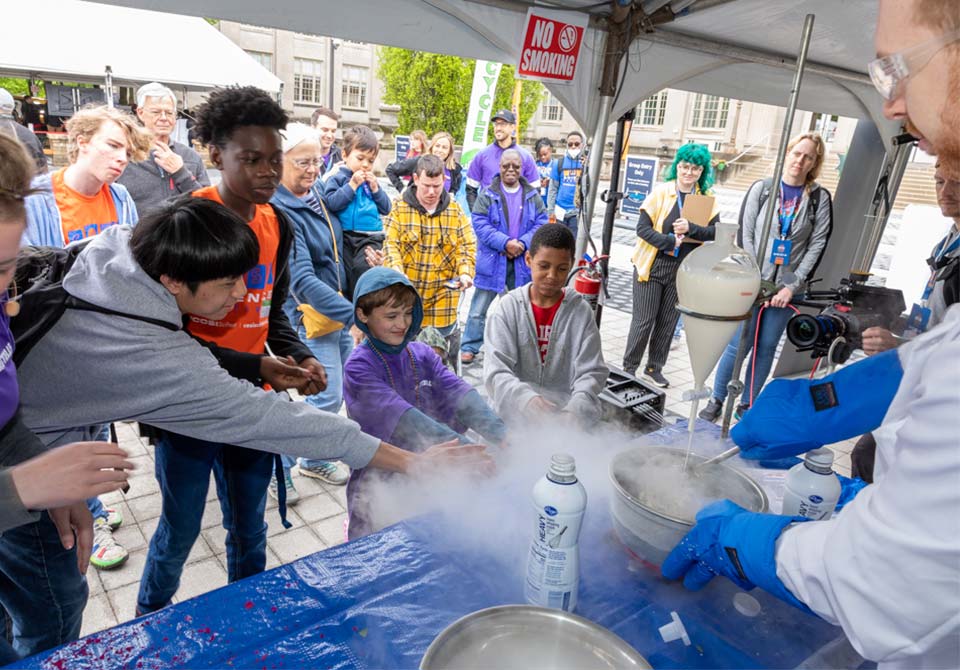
<point>697,208</point>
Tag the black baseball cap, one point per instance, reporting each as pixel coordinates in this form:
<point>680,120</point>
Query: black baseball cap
<point>505,115</point>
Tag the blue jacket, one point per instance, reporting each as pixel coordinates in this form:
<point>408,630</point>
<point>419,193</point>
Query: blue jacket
<point>357,210</point>
<point>490,224</point>
<point>317,274</point>
<point>44,227</point>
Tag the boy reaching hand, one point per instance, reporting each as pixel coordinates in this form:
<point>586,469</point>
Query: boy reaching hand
<point>545,356</point>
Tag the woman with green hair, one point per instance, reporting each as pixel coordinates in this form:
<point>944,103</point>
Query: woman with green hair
<point>664,238</point>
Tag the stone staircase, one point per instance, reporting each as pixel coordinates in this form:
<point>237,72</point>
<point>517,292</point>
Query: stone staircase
<point>916,188</point>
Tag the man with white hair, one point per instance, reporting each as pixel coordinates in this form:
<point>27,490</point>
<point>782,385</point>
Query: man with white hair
<point>9,125</point>
<point>171,168</point>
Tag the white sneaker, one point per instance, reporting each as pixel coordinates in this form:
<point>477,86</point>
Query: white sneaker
<point>114,518</point>
<point>293,496</point>
<point>331,472</point>
<point>107,554</point>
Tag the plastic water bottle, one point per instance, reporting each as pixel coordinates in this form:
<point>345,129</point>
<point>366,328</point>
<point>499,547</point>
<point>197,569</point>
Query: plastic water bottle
<point>812,490</point>
<point>553,566</point>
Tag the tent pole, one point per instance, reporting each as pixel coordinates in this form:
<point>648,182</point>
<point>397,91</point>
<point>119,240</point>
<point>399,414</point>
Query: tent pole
<point>735,387</point>
<point>593,171</point>
<point>612,198</point>
<point>875,220</point>
<point>108,86</point>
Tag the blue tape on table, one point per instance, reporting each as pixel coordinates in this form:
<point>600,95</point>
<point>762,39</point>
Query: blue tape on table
<point>378,603</point>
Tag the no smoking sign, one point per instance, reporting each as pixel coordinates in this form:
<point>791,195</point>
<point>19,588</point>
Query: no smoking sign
<point>551,46</point>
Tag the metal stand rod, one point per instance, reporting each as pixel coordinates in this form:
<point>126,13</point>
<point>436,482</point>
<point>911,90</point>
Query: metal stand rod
<point>875,219</point>
<point>768,218</point>
<point>593,173</point>
<point>613,201</point>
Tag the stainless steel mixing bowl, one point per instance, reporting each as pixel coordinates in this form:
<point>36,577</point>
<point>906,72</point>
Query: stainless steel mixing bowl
<point>524,637</point>
<point>651,532</point>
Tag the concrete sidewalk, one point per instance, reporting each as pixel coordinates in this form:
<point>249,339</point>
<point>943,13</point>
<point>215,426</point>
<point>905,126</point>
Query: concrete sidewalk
<point>318,520</point>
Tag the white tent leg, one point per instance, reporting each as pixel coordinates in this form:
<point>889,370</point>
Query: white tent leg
<point>596,163</point>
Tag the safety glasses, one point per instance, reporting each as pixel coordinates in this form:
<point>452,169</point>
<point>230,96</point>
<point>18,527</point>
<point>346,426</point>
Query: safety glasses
<point>889,72</point>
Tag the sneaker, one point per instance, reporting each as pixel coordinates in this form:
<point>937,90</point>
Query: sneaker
<point>740,411</point>
<point>656,377</point>
<point>114,518</point>
<point>107,554</point>
<point>712,410</point>
<point>466,357</point>
<point>331,472</point>
<point>293,496</point>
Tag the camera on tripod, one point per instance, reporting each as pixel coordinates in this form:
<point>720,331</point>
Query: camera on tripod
<point>845,312</point>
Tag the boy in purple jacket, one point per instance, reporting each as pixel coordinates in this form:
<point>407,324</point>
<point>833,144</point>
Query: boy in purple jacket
<point>397,388</point>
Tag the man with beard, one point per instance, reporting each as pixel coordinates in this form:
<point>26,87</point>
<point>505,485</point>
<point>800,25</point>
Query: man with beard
<point>885,568</point>
<point>486,164</point>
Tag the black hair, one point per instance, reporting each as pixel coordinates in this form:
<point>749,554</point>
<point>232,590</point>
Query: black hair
<point>360,138</point>
<point>577,133</point>
<point>429,165</point>
<point>553,236</point>
<point>230,108</point>
<point>194,240</point>
<point>541,143</point>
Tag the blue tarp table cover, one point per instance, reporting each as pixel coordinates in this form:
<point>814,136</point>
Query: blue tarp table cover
<point>378,603</point>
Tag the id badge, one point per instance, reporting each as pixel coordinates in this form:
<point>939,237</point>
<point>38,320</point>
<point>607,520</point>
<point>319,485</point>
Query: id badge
<point>780,254</point>
<point>919,319</point>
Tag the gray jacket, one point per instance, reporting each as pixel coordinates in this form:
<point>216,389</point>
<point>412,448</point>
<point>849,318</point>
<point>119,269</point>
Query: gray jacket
<point>574,372</point>
<point>150,185</point>
<point>92,368</point>
<point>809,241</point>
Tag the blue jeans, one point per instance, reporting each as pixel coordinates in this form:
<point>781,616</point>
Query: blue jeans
<point>96,508</point>
<point>477,320</point>
<point>772,325</point>
<point>570,220</point>
<point>332,350</point>
<point>41,588</point>
<point>183,466</point>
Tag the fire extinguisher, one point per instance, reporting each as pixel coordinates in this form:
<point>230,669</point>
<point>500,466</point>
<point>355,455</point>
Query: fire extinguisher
<point>589,280</point>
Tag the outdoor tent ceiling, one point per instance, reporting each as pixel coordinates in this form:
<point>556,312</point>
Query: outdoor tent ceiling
<point>74,41</point>
<point>735,48</point>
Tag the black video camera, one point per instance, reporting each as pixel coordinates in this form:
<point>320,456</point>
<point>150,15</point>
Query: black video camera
<point>845,313</point>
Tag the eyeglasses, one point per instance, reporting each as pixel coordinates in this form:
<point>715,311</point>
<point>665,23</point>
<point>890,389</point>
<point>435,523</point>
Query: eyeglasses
<point>305,163</point>
<point>889,72</point>
<point>690,167</point>
<point>573,145</point>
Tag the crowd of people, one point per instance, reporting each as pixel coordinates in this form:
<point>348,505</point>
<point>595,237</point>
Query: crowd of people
<point>199,309</point>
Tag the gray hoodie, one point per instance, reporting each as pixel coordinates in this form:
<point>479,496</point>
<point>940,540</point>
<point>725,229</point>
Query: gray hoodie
<point>574,372</point>
<point>92,368</point>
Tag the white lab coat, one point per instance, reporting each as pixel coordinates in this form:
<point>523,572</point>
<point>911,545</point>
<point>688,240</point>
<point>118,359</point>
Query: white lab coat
<point>887,568</point>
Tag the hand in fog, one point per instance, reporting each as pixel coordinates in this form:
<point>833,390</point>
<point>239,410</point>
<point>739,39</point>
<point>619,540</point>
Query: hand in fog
<point>681,227</point>
<point>540,405</point>
<point>283,374</point>
<point>514,248</point>
<point>317,381</point>
<point>878,339</point>
<point>374,257</point>
<point>782,298</point>
<point>454,455</point>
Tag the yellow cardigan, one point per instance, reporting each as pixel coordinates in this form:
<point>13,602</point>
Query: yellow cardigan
<point>658,205</point>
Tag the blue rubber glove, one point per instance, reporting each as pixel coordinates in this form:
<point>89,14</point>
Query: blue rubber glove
<point>849,488</point>
<point>792,417</point>
<point>728,540</point>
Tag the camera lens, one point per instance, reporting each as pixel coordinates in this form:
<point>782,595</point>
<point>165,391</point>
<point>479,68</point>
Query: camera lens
<point>803,330</point>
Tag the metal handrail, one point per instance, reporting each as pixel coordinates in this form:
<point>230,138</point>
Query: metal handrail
<point>747,150</point>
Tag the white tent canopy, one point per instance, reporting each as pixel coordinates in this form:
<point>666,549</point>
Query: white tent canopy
<point>76,41</point>
<point>678,54</point>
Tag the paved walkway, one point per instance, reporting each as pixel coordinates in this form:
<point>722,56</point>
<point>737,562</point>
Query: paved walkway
<point>318,519</point>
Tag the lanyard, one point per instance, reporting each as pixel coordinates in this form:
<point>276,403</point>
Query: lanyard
<point>941,250</point>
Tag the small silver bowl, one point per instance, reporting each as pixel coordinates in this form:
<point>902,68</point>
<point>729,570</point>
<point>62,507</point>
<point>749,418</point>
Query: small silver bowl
<point>526,637</point>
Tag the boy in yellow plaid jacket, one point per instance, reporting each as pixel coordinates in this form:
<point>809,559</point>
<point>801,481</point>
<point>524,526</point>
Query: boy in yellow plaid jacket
<point>431,241</point>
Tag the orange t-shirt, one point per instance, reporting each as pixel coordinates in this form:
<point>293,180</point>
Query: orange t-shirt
<point>80,215</point>
<point>245,327</point>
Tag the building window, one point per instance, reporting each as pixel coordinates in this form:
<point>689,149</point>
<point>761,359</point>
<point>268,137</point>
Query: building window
<point>265,59</point>
<point>710,111</point>
<point>306,80</point>
<point>652,111</point>
<point>354,89</point>
<point>552,109</point>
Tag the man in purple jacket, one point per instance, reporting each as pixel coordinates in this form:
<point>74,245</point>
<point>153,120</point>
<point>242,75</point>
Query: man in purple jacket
<point>486,164</point>
<point>505,217</point>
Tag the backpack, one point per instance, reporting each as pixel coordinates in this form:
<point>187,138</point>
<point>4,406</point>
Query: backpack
<point>38,282</point>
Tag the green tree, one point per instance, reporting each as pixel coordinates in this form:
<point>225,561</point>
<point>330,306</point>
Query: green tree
<point>15,86</point>
<point>433,90</point>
